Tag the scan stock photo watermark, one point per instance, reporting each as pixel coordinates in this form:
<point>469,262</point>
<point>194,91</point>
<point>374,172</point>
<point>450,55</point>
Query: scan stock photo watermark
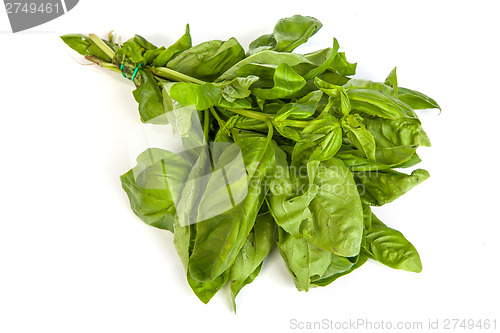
<point>369,325</point>
<point>24,15</point>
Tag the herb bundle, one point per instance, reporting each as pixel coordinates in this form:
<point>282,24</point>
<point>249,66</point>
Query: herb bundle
<point>280,148</point>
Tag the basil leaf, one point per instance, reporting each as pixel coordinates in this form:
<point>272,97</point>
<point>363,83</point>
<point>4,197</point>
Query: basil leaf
<point>336,210</point>
<point>94,50</point>
<point>262,43</point>
<point>325,64</point>
<point>381,187</point>
<point>237,88</point>
<point>248,263</point>
<point>339,267</point>
<point>201,96</point>
<point>78,42</point>
<point>142,42</point>
<point>150,55</point>
<point>377,99</point>
<point>392,81</point>
<point>336,92</point>
<point>219,239</point>
<point>375,86</point>
<point>288,34</point>
<point>397,140</point>
<point>205,290</point>
<point>184,43</point>
<point>147,186</point>
<point>320,141</point>
<point>286,83</point>
<point>361,138</point>
<point>130,51</point>
<point>263,65</point>
<point>293,31</point>
<point>149,96</point>
<point>304,260</point>
<point>303,108</point>
<point>208,60</point>
<point>391,248</point>
<point>417,100</point>
<point>289,202</point>
<point>342,66</point>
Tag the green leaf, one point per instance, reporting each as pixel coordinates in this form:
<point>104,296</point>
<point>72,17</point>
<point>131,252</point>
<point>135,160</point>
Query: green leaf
<point>263,65</point>
<point>320,141</point>
<point>356,161</point>
<point>336,93</point>
<point>78,42</point>
<point>208,60</point>
<point>417,100</point>
<point>201,96</point>
<point>375,86</point>
<point>205,290</point>
<point>184,232</point>
<point>342,66</point>
<point>150,55</point>
<point>287,132</point>
<point>293,31</point>
<point>304,260</point>
<point>246,124</point>
<point>288,201</point>
<point>94,50</point>
<point>391,248</point>
<point>397,140</point>
<point>367,216</point>
<point>181,118</point>
<point>381,187</point>
<point>392,81</point>
<point>334,78</point>
<point>286,83</point>
<point>142,42</point>
<point>262,43</point>
<point>359,136</point>
<point>130,51</point>
<point>248,263</point>
<point>149,96</point>
<point>303,108</point>
<point>184,43</point>
<point>288,34</point>
<point>339,267</point>
<point>147,186</point>
<point>220,238</point>
<point>237,88</point>
<point>375,103</point>
<point>324,66</point>
<point>336,210</point>
<point>412,161</point>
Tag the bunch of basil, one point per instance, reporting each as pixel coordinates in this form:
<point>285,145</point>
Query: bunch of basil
<point>319,149</point>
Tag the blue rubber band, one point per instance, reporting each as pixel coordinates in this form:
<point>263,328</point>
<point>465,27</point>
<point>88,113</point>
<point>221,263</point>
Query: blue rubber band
<point>121,68</point>
<point>135,71</point>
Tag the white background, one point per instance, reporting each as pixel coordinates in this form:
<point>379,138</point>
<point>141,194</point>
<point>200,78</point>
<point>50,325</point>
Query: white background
<point>73,256</point>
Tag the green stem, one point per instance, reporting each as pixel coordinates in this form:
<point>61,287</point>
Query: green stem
<point>102,63</point>
<point>271,131</point>
<point>206,123</point>
<point>163,72</point>
<point>267,117</point>
<point>103,46</point>
<point>252,114</point>
<point>221,122</point>
<point>296,123</point>
<point>172,75</point>
<point>327,108</point>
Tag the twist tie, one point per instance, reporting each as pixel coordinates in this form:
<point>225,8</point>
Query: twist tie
<point>133,74</point>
